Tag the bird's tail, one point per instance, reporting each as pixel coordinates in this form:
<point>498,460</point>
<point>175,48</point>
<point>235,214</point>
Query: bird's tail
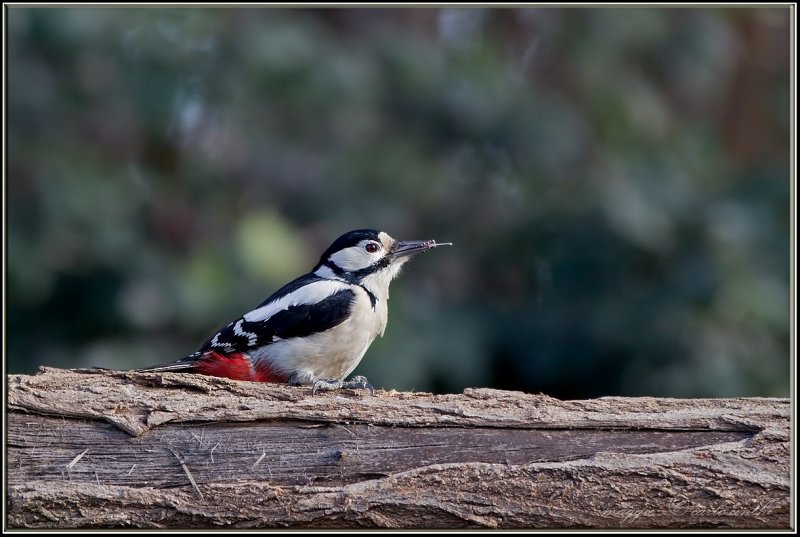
<point>187,363</point>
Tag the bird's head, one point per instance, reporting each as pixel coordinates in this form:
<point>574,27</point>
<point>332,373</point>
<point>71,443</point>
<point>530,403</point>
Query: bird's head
<point>369,257</point>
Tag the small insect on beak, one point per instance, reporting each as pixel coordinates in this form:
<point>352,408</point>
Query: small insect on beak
<point>406,248</point>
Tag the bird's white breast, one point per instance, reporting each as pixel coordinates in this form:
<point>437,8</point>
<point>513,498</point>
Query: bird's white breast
<point>334,353</point>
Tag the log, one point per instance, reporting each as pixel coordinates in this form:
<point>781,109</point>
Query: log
<point>170,450</point>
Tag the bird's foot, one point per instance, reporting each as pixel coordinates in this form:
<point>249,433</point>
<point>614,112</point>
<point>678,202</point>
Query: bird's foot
<point>354,383</point>
<point>359,383</point>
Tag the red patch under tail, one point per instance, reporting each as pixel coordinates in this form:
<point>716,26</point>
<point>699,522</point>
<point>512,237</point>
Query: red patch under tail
<point>236,366</point>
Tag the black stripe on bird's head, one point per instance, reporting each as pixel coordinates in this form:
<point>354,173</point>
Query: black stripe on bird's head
<point>364,252</point>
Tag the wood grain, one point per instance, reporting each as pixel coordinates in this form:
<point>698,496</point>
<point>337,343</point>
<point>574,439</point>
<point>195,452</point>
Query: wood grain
<point>265,455</point>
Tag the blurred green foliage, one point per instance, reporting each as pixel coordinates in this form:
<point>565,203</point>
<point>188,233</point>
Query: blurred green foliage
<point>615,181</point>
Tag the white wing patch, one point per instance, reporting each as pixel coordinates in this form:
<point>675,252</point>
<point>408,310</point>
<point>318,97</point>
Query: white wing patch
<point>308,294</point>
<point>216,342</point>
<point>252,337</point>
<point>327,273</point>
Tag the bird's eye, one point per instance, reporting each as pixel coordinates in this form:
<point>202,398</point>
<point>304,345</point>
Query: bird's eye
<point>371,247</point>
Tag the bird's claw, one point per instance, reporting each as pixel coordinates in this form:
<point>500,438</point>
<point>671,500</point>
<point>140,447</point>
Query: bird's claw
<point>358,382</point>
<point>326,386</point>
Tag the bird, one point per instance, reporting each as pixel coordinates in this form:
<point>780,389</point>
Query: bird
<point>315,329</point>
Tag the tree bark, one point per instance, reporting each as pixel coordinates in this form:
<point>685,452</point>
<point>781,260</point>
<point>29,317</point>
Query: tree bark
<point>169,450</point>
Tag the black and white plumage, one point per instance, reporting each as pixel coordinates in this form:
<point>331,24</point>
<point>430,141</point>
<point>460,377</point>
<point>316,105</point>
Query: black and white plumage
<point>317,328</point>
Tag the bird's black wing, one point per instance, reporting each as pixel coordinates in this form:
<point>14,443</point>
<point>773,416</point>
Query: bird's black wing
<point>294,321</point>
<point>306,319</point>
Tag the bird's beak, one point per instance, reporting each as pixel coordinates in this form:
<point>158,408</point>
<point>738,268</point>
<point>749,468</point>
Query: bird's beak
<point>407,248</point>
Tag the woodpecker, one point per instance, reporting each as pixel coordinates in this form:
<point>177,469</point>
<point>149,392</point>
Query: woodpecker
<point>315,329</point>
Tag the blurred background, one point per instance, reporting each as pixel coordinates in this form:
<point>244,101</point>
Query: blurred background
<point>616,183</point>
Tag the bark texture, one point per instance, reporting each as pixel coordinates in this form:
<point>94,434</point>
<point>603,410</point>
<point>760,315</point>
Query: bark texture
<point>169,450</point>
